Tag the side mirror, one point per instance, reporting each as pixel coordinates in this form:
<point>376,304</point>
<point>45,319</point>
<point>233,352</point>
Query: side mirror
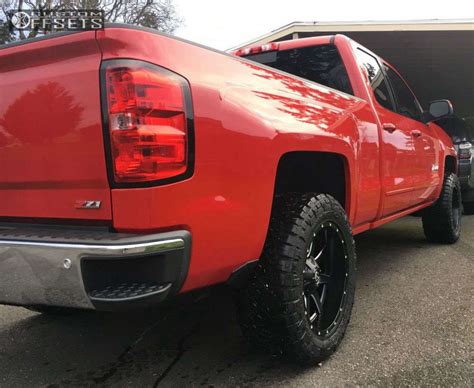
<point>440,108</point>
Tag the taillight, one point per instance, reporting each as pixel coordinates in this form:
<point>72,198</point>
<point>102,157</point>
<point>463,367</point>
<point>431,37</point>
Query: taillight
<point>147,115</point>
<point>465,150</point>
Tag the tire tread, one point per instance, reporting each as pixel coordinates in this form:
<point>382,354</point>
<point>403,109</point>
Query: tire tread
<point>270,308</point>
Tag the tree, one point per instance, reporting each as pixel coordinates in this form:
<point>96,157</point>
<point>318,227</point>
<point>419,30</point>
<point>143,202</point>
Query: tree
<point>5,34</point>
<point>157,14</point>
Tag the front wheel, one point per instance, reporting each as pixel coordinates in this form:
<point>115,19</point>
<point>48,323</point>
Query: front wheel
<point>300,299</point>
<point>442,221</point>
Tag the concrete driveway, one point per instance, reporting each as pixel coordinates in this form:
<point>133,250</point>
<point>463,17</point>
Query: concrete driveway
<point>413,324</point>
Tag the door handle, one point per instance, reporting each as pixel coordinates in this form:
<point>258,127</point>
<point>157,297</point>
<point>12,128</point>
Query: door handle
<point>416,133</point>
<point>389,127</point>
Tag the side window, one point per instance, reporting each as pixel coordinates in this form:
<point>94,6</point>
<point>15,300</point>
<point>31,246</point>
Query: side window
<point>321,64</point>
<point>376,79</point>
<point>407,104</point>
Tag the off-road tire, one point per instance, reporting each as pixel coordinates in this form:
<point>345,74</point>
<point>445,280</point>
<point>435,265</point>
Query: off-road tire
<point>442,221</point>
<point>271,309</point>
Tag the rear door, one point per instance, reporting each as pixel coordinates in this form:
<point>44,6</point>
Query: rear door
<point>426,178</point>
<point>52,162</point>
<point>397,150</point>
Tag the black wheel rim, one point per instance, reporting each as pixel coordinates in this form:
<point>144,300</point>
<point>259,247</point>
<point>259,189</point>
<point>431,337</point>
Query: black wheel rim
<point>456,208</point>
<point>325,278</point>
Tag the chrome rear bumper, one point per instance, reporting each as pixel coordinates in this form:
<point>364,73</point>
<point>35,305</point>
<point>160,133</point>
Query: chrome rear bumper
<point>77,268</point>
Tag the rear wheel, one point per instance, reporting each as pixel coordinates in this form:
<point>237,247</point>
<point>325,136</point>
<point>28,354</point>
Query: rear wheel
<point>442,221</point>
<point>299,302</point>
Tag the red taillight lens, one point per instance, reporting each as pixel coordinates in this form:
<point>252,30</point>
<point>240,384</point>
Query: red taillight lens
<point>147,120</point>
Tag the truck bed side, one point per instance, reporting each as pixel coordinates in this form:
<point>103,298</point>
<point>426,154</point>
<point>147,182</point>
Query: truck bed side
<point>52,157</point>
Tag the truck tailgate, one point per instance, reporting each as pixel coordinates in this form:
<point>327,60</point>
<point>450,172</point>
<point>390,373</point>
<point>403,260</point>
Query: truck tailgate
<point>52,159</point>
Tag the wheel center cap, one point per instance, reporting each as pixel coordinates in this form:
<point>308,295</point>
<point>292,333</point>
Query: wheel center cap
<point>317,279</point>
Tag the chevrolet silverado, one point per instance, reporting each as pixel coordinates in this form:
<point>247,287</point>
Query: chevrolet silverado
<point>135,166</point>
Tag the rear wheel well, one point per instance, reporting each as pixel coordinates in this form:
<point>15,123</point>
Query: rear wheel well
<point>450,165</point>
<point>307,172</point>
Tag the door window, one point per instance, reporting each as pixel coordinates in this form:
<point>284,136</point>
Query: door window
<point>376,79</point>
<point>407,104</point>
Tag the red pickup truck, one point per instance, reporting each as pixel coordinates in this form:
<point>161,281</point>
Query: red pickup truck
<point>136,166</point>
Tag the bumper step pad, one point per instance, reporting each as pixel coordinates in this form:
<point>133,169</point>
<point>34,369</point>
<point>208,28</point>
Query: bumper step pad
<point>127,291</point>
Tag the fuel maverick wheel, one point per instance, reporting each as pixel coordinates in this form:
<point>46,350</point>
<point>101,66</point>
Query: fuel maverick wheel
<point>442,221</point>
<point>300,299</point>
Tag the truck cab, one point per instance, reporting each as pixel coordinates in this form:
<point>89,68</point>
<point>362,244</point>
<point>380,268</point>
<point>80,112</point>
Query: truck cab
<point>410,154</point>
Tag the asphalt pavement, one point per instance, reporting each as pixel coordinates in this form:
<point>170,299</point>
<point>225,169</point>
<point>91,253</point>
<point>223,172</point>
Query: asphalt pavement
<point>412,325</point>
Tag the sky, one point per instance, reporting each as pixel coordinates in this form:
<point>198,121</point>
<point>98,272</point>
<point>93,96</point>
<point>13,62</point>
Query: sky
<point>225,24</point>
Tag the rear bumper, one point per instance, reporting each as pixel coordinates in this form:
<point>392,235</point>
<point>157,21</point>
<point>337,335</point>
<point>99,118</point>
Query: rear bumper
<point>88,269</point>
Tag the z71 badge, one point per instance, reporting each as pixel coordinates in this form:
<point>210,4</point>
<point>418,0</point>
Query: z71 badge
<point>88,204</point>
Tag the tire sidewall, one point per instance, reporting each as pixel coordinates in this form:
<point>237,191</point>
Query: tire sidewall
<point>453,189</point>
<point>338,218</point>
<point>438,220</point>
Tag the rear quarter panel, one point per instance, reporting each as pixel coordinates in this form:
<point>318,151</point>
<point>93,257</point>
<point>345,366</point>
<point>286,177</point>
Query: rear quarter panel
<point>246,118</point>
